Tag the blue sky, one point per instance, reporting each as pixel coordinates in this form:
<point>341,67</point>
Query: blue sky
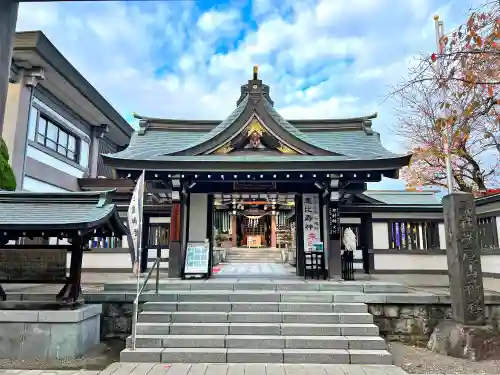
<point>187,59</point>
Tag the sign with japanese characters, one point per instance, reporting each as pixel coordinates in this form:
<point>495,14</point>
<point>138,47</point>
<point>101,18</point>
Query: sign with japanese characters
<point>311,216</point>
<point>334,220</point>
<point>197,258</point>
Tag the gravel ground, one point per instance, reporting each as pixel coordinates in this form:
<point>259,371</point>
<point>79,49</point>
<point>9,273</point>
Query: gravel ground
<point>417,360</point>
<point>98,358</point>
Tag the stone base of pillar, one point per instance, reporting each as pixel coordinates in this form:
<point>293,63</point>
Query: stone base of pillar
<point>474,343</point>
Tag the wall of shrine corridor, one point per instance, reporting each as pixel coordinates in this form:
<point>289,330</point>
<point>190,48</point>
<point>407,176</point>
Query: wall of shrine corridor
<point>402,242</point>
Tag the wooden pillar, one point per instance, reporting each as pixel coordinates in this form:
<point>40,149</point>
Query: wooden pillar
<point>334,251</point>
<point>234,231</point>
<point>71,291</point>
<point>210,232</point>
<point>299,229</point>
<point>366,242</point>
<point>144,244</point>
<point>273,231</point>
<point>174,255</point>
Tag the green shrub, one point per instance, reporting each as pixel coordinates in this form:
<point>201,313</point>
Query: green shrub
<point>7,178</point>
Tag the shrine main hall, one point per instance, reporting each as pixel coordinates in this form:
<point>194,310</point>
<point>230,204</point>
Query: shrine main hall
<point>256,180</point>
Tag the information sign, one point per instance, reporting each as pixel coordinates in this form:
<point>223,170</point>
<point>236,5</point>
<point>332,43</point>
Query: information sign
<point>197,258</point>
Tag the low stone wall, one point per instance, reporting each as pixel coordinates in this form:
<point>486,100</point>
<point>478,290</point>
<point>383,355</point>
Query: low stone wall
<point>400,317</point>
<point>116,320</point>
<point>414,323</point>
<point>46,335</point>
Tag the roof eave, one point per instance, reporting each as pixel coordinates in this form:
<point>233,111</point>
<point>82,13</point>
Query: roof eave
<point>231,165</point>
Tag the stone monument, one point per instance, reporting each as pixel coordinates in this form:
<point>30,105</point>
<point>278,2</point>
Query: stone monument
<point>466,336</point>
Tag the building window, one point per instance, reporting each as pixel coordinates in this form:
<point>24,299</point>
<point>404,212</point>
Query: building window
<point>57,139</point>
<point>33,121</point>
<point>158,235</point>
<point>487,232</point>
<point>105,243</point>
<point>411,235</point>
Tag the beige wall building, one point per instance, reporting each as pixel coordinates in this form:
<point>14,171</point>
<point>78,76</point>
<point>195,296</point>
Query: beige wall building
<point>56,123</point>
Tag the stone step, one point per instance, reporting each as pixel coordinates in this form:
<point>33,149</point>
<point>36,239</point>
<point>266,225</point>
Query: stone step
<point>249,258</point>
<point>259,342</point>
<point>254,317</point>
<point>254,285</point>
<point>232,355</point>
<point>254,254</point>
<point>255,307</point>
<point>266,261</point>
<point>261,296</point>
<point>285,329</point>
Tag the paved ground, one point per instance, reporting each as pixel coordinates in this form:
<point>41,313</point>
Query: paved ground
<point>277,270</point>
<point>222,369</point>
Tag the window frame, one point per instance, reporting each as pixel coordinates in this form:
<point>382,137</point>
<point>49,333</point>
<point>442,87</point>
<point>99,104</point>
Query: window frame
<point>42,139</point>
<point>430,234</point>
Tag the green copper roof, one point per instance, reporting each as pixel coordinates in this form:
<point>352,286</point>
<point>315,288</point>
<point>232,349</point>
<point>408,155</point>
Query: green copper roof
<point>257,157</point>
<point>297,133</point>
<point>160,140</point>
<point>156,143</point>
<point>352,142</point>
<point>25,211</point>
<point>222,126</point>
<point>414,198</point>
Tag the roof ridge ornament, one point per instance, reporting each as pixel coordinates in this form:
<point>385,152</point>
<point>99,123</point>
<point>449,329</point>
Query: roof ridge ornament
<point>143,126</point>
<point>255,86</point>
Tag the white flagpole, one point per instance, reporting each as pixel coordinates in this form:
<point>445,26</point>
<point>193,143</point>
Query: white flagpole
<point>448,128</point>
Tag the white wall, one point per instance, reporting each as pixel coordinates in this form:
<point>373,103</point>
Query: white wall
<point>380,235</point>
<point>37,186</point>
<point>419,262</point>
<point>442,236</point>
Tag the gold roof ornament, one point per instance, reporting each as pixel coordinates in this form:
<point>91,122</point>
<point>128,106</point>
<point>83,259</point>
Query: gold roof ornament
<point>255,127</point>
<point>255,72</point>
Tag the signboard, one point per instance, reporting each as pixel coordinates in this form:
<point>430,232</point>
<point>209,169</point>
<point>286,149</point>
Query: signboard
<point>33,265</point>
<point>334,220</point>
<point>311,217</point>
<point>197,255</point>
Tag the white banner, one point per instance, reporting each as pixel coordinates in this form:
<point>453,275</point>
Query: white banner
<point>134,218</point>
<point>311,218</point>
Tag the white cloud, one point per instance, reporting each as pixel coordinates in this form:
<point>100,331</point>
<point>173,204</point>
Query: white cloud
<point>322,58</point>
<point>217,20</point>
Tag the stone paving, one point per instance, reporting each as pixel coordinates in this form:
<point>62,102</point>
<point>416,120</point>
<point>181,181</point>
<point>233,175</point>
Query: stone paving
<point>277,270</point>
<point>222,369</point>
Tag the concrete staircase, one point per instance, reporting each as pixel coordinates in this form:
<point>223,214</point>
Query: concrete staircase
<point>254,322</point>
<point>253,255</point>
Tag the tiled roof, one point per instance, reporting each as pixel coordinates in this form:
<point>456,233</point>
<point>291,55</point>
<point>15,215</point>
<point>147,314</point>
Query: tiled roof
<point>414,198</point>
<point>51,211</point>
<point>353,143</point>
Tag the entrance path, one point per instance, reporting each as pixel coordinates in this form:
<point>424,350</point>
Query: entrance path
<point>269,270</point>
<point>222,369</point>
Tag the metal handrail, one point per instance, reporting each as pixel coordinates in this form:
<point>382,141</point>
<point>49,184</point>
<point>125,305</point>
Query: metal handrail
<point>135,305</point>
